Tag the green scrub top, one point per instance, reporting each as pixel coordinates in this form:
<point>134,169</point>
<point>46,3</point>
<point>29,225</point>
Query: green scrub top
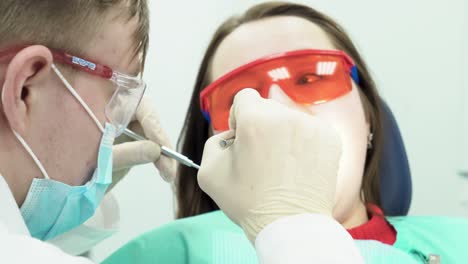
<point>213,238</point>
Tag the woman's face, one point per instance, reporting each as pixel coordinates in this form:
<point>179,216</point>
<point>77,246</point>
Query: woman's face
<point>280,34</point>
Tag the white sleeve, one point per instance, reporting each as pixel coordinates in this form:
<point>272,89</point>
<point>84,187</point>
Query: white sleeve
<point>103,224</point>
<point>25,249</point>
<point>306,238</point>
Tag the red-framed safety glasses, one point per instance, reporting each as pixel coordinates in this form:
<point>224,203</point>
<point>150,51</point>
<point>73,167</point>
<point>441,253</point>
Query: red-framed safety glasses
<point>128,89</point>
<point>306,76</point>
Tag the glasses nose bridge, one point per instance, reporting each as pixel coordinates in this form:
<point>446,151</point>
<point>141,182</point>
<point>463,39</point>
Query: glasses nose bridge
<point>265,87</point>
<point>280,75</point>
<point>270,80</point>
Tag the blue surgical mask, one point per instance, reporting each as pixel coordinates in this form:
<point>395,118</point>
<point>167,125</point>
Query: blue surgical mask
<point>51,207</point>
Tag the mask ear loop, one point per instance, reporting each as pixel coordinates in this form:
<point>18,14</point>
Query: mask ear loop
<point>27,148</point>
<point>78,97</point>
<point>31,153</point>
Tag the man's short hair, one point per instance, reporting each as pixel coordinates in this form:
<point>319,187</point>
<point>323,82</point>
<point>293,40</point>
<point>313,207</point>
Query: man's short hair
<point>68,24</point>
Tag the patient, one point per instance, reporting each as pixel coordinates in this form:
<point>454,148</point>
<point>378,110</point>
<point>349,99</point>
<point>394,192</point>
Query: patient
<point>302,58</point>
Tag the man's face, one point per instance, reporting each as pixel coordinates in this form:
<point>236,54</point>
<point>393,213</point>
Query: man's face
<point>56,126</point>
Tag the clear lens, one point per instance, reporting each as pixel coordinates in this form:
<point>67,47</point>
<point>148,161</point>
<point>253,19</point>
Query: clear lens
<point>124,103</point>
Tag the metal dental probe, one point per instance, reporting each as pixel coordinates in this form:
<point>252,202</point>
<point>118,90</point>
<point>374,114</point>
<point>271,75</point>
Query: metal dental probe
<point>166,151</point>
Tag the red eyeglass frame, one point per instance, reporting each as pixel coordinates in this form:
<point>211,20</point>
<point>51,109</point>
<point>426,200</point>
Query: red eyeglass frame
<point>204,95</point>
<point>86,65</point>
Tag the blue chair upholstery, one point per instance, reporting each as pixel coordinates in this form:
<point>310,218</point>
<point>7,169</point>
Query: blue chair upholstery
<point>395,175</point>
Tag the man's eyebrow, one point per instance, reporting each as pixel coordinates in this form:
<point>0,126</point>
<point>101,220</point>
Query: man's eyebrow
<point>139,66</point>
<point>136,70</point>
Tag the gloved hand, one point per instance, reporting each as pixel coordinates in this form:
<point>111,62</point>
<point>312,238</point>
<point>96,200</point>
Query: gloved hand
<point>128,153</point>
<point>283,162</point>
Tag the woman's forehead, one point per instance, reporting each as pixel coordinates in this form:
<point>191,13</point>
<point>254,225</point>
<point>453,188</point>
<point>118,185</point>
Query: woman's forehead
<point>261,38</point>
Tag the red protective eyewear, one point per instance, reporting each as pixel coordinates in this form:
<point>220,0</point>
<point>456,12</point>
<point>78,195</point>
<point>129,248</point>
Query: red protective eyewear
<point>128,89</point>
<point>307,76</point>
<point>65,58</point>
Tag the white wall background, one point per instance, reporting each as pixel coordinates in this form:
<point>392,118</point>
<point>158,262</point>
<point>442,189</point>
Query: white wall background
<point>414,48</point>
<point>464,156</point>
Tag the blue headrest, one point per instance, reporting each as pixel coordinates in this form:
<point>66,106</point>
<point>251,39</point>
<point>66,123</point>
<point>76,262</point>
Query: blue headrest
<point>395,175</point>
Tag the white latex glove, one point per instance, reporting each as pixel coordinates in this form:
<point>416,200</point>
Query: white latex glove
<point>128,153</point>
<point>282,163</point>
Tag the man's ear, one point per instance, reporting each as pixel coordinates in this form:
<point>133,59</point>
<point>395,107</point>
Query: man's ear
<point>28,69</point>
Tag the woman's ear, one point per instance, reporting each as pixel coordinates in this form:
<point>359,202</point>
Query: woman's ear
<point>27,70</point>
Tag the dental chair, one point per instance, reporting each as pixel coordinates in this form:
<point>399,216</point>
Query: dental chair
<point>395,175</point>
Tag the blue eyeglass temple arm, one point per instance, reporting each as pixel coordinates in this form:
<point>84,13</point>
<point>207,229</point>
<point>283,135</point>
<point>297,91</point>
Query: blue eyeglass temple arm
<point>166,151</point>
